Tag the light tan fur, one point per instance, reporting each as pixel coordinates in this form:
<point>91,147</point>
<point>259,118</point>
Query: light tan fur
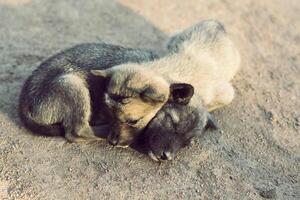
<point>208,66</point>
<point>133,94</point>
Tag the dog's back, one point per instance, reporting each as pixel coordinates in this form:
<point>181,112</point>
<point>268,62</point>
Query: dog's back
<point>205,57</point>
<point>206,41</point>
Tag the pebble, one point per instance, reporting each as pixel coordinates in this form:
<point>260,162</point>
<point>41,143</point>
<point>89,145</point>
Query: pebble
<point>268,194</point>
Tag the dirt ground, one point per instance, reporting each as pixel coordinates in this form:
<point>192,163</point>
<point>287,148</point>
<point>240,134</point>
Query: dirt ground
<point>254,155</point>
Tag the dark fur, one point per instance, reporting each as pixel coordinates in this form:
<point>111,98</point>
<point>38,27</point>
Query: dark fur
<point>173,128</point>
<point>50,102</point>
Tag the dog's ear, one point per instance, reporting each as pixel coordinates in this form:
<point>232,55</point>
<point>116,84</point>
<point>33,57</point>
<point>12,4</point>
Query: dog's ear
<point>181,93</point>
<point>150,94</point>
<point>200,128</point>
<point>211,122</point>
<point>100,73</point>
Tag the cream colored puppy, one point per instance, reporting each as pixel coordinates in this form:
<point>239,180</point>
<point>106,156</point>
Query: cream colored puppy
<point>205,57</point>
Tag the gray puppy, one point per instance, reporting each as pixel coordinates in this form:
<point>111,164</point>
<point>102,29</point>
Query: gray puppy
<point>173,128</point>
<point>62,97</point>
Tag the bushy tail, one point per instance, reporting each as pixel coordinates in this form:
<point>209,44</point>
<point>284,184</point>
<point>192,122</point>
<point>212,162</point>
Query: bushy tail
<point>36,128</point>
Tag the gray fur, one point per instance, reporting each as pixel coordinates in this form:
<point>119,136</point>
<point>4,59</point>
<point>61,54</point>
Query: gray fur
<point>173,128</point>
<point>62,96</point>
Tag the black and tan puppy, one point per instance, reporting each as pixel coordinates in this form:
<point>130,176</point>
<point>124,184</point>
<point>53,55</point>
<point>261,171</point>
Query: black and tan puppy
<point>62,97</point>
<point>173,128</point>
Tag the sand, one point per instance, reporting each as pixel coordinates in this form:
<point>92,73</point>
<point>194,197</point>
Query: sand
<point>254,154</point>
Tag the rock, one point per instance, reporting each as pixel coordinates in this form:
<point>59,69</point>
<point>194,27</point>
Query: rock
<point>267,193</point>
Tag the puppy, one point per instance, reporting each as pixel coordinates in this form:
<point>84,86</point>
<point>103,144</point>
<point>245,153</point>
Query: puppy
<point>173,128</point>
<point>62,97</point>
<point>203,56</point>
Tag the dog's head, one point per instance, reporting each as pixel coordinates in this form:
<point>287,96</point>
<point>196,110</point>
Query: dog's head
<point>134,95</point>
<point>173,127</point>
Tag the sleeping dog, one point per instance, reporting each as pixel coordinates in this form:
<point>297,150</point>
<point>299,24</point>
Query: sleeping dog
<point>173,127</point>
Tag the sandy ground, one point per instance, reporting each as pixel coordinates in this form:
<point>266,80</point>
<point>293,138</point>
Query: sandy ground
<point>254,155</point>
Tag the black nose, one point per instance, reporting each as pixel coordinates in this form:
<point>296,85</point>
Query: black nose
<point>164,156</point>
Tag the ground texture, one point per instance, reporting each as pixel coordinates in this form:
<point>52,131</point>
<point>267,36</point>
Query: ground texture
<point>254,155</point>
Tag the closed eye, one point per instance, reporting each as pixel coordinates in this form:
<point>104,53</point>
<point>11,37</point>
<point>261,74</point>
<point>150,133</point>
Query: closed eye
<point>126,100</point>
<point>120,99</point>
<point>116,97</point>
<point>132,122</point>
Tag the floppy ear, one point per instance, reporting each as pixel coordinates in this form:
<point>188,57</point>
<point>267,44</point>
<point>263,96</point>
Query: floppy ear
<point>149,94</point>
<point>100,73</point>
<point>211,122</point>
<point>181,93</point>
